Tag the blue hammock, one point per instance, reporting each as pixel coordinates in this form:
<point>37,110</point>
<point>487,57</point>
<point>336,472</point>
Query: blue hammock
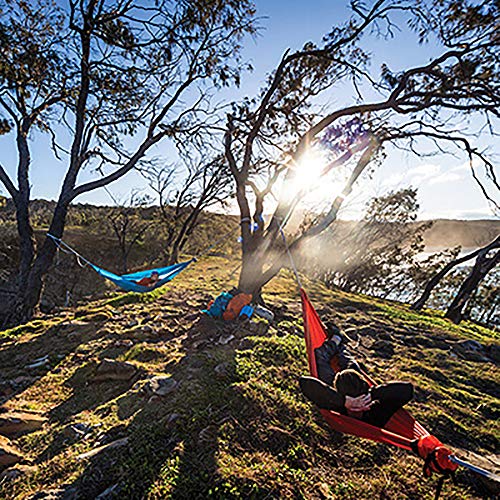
<point>128,281</point>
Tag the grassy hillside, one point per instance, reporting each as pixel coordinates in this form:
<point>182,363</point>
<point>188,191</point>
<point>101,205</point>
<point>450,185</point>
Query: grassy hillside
<point>234,424</point>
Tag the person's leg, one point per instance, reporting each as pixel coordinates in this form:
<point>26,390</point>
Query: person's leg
<point>389,398</point>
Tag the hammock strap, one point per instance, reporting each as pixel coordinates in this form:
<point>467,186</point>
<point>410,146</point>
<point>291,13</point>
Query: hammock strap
<point>67,249</point>
<point>475,468</point>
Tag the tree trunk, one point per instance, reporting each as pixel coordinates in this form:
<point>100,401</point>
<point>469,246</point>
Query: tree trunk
<point>434,281</point>
<point>24,303</point>
<point>481,268</point>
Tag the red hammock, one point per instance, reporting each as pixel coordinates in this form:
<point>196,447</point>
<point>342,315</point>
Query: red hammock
<point>402,430</point>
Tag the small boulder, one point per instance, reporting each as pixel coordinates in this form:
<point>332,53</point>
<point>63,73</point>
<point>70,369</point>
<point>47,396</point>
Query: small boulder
<point>161,385</point>
<point>110,369</point>
<point>494,352</point>
<point>471,350</point>
<point>383,348</point>
<point>225,339</point>
<point>38,363</point>
<point>64,493</point>
<point>246,343</point>
<point>9,454</point>
<point>172,419</point>
<point>78,431</point>
<point>222,370</point>
<point>110,492</point>
<point>124,343</point>
<point>13,423</point>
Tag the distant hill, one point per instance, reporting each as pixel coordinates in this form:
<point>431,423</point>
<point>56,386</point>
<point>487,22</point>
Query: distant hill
<point>446,233</point>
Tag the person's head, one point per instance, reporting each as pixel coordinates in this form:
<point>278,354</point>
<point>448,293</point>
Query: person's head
<point>350,383</point>
<point>155,276</point>
<point>331,329</point>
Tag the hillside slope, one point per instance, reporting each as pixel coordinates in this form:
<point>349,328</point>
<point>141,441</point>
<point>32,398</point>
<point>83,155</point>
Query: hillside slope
<point>227,419</point>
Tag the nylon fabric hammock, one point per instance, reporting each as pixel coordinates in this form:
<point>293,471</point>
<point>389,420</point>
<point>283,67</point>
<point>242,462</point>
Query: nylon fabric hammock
<point>127,282</point>
<point>401,430</point>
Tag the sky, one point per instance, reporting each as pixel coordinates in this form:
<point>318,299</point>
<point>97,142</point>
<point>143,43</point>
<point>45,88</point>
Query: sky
<point>445,185</point>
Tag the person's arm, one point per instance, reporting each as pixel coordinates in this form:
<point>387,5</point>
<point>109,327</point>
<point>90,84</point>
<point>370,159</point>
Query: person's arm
<point>321,394</point>
<point>393,394</point>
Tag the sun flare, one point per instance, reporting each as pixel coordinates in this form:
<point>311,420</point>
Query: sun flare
<point>308,171</point>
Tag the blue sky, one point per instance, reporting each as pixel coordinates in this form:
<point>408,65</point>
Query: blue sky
<point>446,187</point>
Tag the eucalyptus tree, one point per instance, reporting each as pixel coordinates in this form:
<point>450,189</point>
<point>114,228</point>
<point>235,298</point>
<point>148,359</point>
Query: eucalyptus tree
<point>184,192</point>
<point>270,138</point>
<point>117,76</point>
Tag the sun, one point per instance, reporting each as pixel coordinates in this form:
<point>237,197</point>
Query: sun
<point>308,171</point>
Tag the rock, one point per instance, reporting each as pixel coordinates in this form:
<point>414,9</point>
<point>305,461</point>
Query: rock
<point>110,369</point>
<point>172,419</point>
<point>223,340</point>
<point>9,454</point>
<point>6,391</point>
<point>161,385</point>
<point>350,309</point>
<point>469,345</point>
<point>12,423</point>
<point>352,333</point>
<point>143,332</point>
<point>16,472</point>
<point>21,380</point>
<point>110,492</point>
<point>246,343</point>
<point>383,348</point>
<point>199,343</point>
<point>124,343</point>
<point>100,449</point>
<point>99,316</point>
<point>132,323</point>
<point>494,352</point>
<point>64,493</point>
<point>208,435</point>
<point>222,370</point>
<point>76,431</point>
<point>471,350</point>
<point>37,363</point>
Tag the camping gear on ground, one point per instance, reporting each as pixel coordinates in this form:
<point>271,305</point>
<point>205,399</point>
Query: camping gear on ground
<point>216,308</point>
<point>235,305</point>
<point>262,312</point>
<point>246,312</point>
<point>228,305</point>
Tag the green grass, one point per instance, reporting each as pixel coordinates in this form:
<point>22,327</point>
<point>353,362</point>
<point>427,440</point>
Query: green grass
<point>243,431</point>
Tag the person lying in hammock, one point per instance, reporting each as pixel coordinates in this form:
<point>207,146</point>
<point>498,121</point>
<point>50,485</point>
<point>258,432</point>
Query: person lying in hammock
<point>149,281</point>
<point>346,391</point>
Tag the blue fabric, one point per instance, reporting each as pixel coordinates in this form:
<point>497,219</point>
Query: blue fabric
<point>219,305</point>
<point>128,281</point>
<point>246,311</point>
